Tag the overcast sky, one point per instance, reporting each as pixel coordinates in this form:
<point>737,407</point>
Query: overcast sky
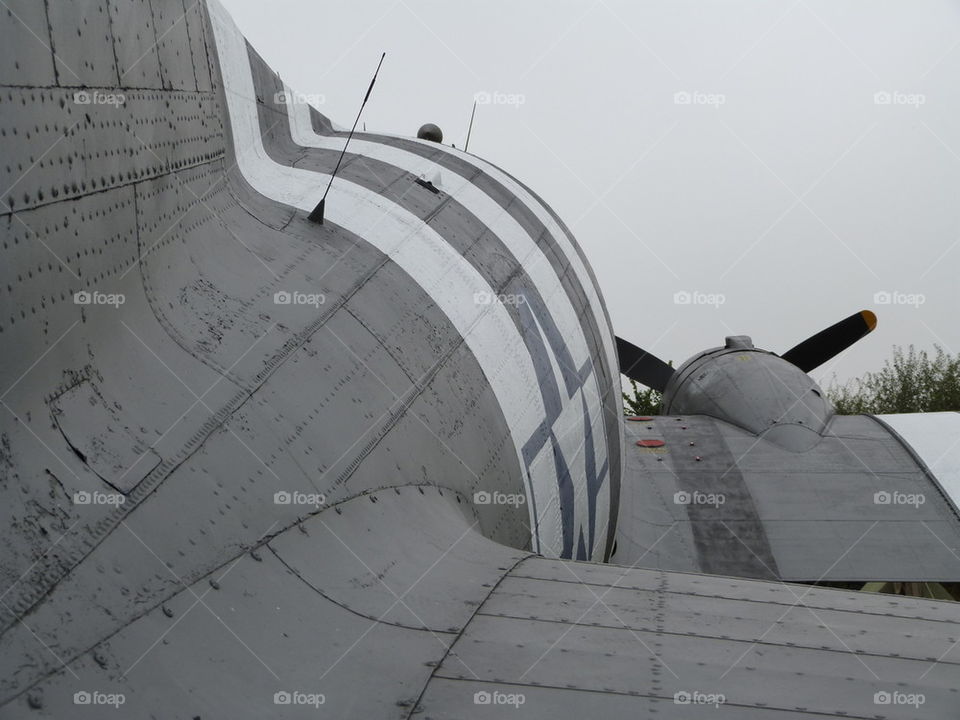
<point>738,152</point>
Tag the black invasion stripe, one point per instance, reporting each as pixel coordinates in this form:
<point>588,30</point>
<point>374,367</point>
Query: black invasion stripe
<point>611,402</point>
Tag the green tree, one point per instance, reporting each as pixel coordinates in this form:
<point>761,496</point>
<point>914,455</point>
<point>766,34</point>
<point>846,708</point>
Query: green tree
<point>911,381</point>
<point>641,400</point>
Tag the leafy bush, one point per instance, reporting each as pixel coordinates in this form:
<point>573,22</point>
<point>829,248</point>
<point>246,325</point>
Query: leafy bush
<point>641,400</point>
<point>909,382</point>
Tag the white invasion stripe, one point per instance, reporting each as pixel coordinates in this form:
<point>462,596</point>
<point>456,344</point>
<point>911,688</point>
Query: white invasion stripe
<point>517,240</point>
<point>483,207</point>
<point>562,239</point>
<point>573,447</point>
<point>935,438</point>
<point>444,274</point>
<point>566,245</point>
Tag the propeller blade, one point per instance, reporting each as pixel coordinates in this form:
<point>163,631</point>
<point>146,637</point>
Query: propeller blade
<point>643,367</point>
<point>816,350</point>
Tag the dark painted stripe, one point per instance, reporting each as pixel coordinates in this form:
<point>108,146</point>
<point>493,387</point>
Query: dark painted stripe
<point>594,477</point>
<point>612,375</point>
<point>730,539</point>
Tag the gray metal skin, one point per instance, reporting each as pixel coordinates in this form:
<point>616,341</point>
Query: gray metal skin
<point>757,477</point>
<point>198,400</point>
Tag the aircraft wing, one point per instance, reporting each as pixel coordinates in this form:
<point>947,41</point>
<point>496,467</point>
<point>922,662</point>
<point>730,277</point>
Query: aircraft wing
<point>874,500</point>
<point>392,604</point>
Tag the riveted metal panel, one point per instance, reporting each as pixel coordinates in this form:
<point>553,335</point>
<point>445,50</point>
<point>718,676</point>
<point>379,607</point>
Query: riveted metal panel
<point>822,511</point>
<point>826,510</point>
<point>173,45</point>
<point>65,143</point>
<point>242,396</point>
<point>721,618</point>
<point>467,698</point>
<point>933,437</point>
<point>96,431</point>
<point>27,57</point>
<point>615,641</point>
<point>83,42</point>
<point>199,50</point>
<point>653,530</point>
<point>440,568</point>
<point>52,252</point>
<point>227,644</point>
<point>135,44</point>
<point>733,588</point>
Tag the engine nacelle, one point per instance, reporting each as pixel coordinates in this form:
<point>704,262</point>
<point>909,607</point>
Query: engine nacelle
<point>754,389</point>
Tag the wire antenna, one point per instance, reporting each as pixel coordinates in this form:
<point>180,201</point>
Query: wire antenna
<point>466,145</point>
<point>317,214</point>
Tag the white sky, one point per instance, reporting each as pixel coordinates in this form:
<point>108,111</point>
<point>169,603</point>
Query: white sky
<point>796,199</point>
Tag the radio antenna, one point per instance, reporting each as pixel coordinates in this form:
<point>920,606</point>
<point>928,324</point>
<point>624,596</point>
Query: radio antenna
<point>470,129</point>
<point>317,214</point>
